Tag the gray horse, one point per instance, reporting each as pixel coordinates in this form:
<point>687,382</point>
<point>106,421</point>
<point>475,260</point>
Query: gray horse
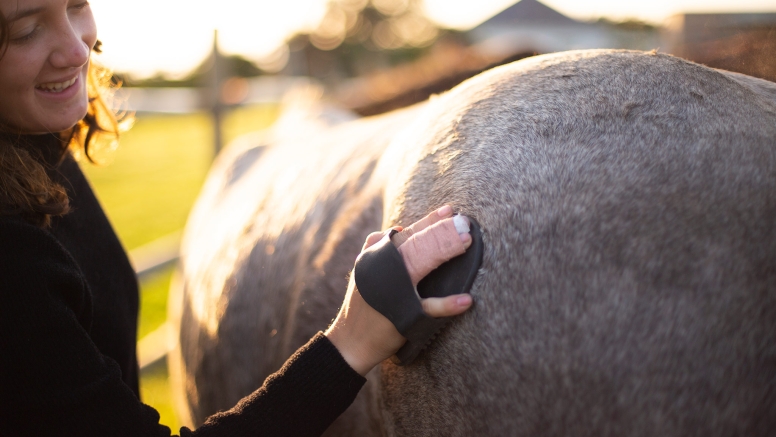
<point>628,287</point>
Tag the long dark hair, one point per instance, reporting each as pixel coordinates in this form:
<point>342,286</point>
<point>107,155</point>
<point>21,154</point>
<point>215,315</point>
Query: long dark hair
<point>26,190</point>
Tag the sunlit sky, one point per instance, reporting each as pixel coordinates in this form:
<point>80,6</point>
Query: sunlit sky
<point>173,36</point>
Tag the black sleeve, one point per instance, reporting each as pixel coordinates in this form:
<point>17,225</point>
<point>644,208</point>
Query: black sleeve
<point>55,382</point>
<point>302,399</point>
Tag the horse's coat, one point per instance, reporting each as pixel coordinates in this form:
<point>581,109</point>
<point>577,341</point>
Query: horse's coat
<point>628,287</point>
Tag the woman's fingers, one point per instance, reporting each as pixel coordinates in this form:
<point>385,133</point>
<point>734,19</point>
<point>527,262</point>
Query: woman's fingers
<point>429,242</point>
<point>440,214</point>
<point>430,247</point>
<point>446,306</point>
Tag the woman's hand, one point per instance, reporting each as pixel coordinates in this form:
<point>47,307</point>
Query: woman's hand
<point>365,337</point>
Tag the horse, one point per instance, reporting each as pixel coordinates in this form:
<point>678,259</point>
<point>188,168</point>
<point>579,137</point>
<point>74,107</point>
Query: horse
<point>628,286</point>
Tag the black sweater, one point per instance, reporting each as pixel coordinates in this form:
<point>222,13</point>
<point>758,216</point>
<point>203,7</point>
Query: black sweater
<point>68,310</point>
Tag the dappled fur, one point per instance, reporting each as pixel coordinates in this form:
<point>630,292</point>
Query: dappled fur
<point>628,287</point>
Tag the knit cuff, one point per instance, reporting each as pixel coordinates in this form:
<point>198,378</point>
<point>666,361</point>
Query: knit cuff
<point>303,398</point>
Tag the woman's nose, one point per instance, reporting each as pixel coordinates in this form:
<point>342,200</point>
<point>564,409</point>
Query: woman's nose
<point>71,50</point>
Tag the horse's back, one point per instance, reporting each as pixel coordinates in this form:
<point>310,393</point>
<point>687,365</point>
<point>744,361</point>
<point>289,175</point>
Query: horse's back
<point>629,278</point>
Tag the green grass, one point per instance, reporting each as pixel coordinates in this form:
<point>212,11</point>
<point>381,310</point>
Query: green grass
<point>157,171</point>
<point>155,391</point>
<point>153,301</point>
<point>147,192</point>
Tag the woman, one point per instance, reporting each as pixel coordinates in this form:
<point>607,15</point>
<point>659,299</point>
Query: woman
<point>68,294</point>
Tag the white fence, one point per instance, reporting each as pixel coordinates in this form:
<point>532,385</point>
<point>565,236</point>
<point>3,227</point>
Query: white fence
<point>235,91</point>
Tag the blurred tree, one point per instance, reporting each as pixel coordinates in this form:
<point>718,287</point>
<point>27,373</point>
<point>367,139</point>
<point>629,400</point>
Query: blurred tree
<point>629,24</point>
<point>356,37</point>
<point>234,66</point>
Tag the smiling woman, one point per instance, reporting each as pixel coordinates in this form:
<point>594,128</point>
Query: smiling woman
<point>43,76</point>
<point>48,86</point>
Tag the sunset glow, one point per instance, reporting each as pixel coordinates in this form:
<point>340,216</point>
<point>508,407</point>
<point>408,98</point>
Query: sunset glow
<point>147,36</point>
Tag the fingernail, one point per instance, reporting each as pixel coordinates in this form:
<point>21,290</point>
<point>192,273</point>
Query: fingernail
<point>464,300</point>
<point>461,223</point>
<point>464,237</point>
<point>445,211</point>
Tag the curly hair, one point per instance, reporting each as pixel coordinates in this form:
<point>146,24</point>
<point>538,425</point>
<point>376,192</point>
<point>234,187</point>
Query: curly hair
<point>26,189</point>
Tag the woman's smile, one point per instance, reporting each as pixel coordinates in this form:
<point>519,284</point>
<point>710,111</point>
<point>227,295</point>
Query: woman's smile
<point>61,92</point>
<point>57,87</point>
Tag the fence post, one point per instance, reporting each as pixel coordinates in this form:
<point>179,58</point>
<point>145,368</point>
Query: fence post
<point>217,107</point>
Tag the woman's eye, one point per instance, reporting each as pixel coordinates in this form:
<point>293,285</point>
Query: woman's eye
<point>81,5</point>
<point>26,36</point>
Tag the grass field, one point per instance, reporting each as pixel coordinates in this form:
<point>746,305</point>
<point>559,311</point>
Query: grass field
<point>147,192</point>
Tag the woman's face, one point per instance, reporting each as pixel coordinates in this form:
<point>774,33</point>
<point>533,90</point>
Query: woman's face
<point>43,73</point>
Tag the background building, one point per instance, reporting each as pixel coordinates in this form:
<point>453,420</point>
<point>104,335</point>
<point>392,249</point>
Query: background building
<point>745,43</point>
<point>531,26</point>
